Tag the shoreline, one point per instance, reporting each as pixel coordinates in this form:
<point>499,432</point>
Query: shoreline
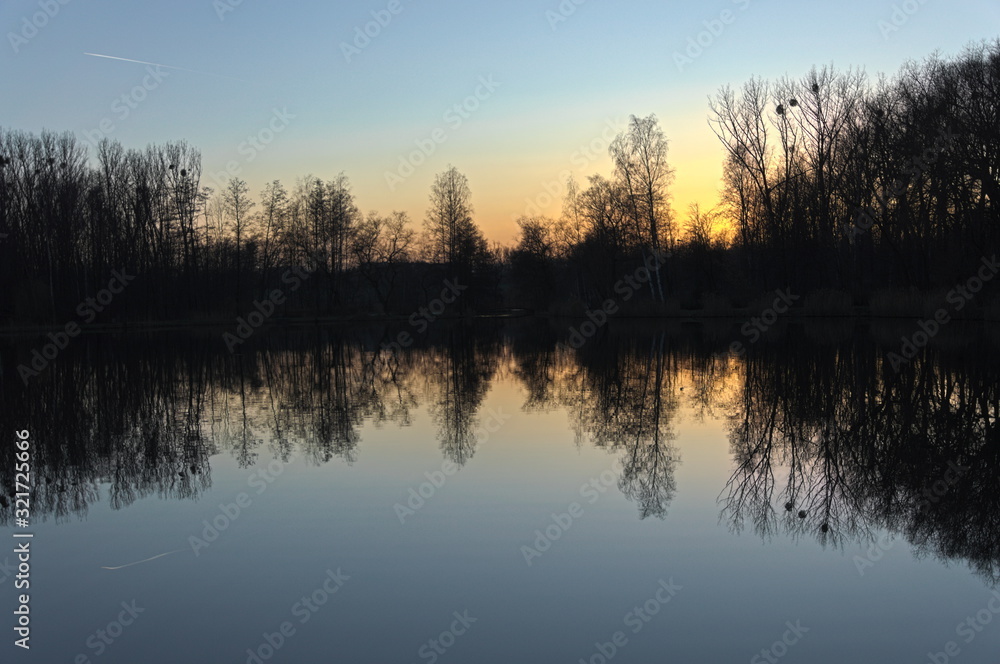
<point>685,317</point>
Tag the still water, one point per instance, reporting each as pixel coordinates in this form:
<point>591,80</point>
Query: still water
<point>490,495</point>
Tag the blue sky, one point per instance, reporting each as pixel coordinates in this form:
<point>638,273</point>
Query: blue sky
<point>558,83</point>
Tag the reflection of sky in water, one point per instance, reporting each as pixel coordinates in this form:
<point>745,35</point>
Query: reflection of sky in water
<point>461,550</point>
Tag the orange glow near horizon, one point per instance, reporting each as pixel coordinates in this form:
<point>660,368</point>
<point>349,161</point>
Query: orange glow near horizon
<point>508,180</point>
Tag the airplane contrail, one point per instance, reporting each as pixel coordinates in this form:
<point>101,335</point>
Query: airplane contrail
<point>144,561</point>
<point>157,64</point>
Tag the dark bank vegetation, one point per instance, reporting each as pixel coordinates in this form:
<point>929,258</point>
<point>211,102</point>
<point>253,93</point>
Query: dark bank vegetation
<point>849,190</point>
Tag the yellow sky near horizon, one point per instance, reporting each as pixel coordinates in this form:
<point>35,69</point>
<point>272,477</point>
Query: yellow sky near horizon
<point>515,176</point>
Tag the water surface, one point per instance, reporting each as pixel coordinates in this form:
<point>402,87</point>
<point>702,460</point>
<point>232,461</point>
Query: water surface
<point>644,498</point>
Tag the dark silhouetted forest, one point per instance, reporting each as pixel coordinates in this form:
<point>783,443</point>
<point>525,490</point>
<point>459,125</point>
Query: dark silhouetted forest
<point>851,191</point>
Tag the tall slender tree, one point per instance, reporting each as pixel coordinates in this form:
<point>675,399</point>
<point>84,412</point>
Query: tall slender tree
<point>640,158</point>
<point>236,198</point>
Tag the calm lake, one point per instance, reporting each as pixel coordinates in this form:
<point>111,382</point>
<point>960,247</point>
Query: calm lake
<point>489,494</point>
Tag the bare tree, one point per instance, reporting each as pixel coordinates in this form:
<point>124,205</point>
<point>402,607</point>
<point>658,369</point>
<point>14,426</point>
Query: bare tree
<point>236,198</point>
<point>380,246</point>
<point>274,204</point>
<point>568,229</point>
<point>454,238</point>
<point>640,157</point>
<point>700,227</point>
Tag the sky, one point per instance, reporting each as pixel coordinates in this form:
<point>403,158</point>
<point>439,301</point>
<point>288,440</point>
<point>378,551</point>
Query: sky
<point>517,95</point>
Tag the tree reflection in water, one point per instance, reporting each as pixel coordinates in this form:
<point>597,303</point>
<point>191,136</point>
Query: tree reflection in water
<point>827,440</point>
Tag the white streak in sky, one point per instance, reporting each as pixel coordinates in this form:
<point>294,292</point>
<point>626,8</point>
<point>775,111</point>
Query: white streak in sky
<point>157,64</point>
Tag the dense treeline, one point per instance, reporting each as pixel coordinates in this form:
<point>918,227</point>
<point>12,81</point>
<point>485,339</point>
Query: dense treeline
<point>834,185</point>
<point>836,182</point>
<point>831,183</point>
<point>70,224</point>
